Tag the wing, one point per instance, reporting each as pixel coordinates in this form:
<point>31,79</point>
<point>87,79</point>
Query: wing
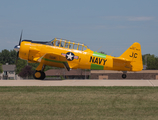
<point>57,60</point>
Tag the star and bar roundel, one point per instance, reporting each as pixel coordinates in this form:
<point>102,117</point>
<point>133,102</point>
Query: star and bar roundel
<point>69,56</point>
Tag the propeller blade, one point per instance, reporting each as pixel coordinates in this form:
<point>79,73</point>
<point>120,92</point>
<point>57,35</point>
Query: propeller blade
<point>17,47</point>
<point>20,37</point>
<point>17,57</point>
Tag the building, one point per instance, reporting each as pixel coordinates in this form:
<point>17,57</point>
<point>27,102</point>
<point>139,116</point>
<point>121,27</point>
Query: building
<point>100,74</point>
<point>63,73</point>
<point>8,72</point>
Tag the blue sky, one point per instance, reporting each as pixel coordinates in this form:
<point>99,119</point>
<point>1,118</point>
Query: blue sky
<point>113,25</point>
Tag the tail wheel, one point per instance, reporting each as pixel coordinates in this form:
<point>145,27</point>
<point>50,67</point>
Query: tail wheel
<point>40,75</point>
<point>124,76</point>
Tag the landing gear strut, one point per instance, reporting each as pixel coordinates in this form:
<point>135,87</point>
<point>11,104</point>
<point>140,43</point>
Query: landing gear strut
<point>40,75</point>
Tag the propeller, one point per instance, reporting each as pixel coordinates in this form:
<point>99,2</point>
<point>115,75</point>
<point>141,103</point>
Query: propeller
<point>20,37</point>
<point>17,56</point>
<point>17,47</point>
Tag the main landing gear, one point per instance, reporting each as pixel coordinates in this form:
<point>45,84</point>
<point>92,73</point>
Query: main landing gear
<point>124,74</point>
<point>39,74</point>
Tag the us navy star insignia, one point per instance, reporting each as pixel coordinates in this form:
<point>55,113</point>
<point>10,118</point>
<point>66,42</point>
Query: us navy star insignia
<point>69,56</point>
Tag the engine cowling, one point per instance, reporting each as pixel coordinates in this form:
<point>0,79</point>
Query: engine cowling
<point>24,50</point>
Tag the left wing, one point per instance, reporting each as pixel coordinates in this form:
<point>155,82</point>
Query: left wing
<point>56,58</point>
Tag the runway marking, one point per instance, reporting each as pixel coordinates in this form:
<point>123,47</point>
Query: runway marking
<point>151,83</point>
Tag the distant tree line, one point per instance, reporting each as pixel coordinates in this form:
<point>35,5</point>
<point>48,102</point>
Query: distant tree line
<point>7,56</point>
<point>1,70</point>
<point>25,69</point>
<point>151,61</point>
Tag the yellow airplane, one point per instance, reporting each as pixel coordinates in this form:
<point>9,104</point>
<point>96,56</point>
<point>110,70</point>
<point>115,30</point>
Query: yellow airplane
<point>73,55</point>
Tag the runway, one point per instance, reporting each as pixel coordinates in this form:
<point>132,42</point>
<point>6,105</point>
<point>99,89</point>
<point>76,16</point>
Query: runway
<point>87,82</point>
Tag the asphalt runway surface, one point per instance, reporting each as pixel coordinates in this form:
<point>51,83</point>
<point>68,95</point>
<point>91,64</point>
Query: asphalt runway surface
<point>83,82</point>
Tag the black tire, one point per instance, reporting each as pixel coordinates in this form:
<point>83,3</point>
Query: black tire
<point>39,75</point>
<point>124,76</point>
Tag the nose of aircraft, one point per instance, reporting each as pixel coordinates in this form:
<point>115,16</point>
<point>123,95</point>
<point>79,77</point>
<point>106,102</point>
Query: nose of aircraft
<point>16,48</point>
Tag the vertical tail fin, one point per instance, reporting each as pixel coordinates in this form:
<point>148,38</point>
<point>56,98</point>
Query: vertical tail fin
<point>133,54</point>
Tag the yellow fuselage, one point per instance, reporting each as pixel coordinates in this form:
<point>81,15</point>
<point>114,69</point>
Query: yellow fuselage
<point>84,59</point>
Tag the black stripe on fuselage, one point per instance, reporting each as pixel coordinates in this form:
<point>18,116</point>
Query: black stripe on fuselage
<point>38,42</point>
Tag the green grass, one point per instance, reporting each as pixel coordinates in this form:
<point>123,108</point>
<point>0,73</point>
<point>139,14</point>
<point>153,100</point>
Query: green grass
<point>78,103</point>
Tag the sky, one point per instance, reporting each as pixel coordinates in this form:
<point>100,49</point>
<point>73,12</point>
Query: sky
<point>110,26</point>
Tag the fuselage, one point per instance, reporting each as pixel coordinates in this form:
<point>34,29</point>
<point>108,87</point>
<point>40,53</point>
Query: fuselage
<point>53,55</point>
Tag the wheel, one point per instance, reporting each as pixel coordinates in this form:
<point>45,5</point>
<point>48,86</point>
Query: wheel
<point>124,76</point>
<point>40,75</point>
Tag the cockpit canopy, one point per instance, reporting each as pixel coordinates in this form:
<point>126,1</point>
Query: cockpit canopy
<point>68,44</point>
